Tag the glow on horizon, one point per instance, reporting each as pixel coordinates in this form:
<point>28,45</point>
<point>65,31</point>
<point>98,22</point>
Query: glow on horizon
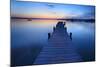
<point>47,10</point>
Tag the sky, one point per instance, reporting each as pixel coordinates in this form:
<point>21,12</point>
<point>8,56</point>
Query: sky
<point>51,10</point>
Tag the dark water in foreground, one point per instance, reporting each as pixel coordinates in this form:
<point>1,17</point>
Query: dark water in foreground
<point>34,33</point>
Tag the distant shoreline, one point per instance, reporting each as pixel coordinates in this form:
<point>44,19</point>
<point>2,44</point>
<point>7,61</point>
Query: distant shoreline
<point>69,19</point>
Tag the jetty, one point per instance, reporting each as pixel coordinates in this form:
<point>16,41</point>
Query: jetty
<point>60,47</point>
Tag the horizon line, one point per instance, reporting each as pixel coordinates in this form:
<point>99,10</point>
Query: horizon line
<point>51,18</point>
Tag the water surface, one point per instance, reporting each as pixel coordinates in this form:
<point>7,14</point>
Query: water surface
<point>35,32</point>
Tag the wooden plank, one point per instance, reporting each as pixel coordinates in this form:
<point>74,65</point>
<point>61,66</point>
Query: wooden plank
<point>59,49</point>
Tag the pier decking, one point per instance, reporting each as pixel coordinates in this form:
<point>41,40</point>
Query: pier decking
<point>60,48</point>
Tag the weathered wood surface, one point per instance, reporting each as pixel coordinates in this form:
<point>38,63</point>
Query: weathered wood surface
<point>59,49</point>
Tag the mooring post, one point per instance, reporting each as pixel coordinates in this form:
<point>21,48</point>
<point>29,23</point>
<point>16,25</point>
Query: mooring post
<point>49,35</point>
<point>71,35</point>
<point>54,28</point>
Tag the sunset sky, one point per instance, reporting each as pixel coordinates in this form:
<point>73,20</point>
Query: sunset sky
<point>50,10</point>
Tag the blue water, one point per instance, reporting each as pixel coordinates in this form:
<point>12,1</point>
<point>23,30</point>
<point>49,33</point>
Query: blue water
<point>35,32</point>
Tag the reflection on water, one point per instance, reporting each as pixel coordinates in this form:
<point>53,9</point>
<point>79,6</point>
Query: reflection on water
<point>35,32</point>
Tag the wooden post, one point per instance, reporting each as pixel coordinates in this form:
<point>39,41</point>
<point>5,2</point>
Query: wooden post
<point>71,35</point>
<point>49,35</point>
<point>53,28</point>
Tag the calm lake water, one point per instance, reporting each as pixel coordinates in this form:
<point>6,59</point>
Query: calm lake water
<point>35,32</point>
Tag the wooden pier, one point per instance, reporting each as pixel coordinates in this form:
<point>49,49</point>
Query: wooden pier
<point>60,48</point>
